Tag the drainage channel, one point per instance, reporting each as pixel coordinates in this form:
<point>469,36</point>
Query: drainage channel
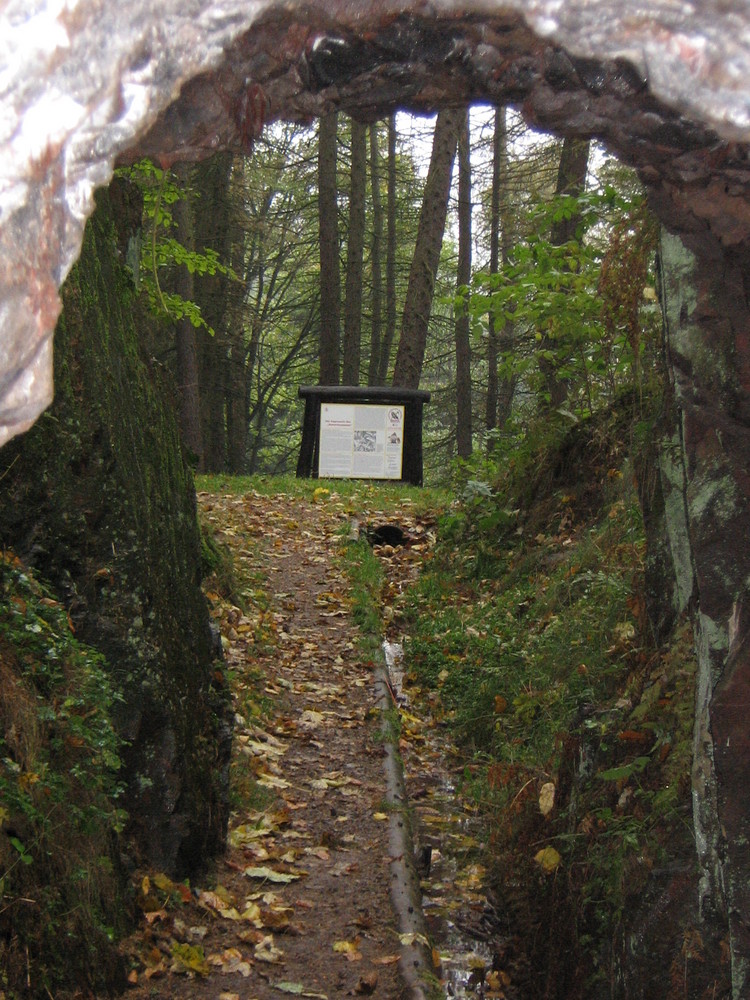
<point>448,850</point>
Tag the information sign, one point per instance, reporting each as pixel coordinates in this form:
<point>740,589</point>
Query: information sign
<point>361,440</point>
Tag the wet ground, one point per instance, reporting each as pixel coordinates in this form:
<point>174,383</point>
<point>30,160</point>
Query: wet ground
<point>449,848</point>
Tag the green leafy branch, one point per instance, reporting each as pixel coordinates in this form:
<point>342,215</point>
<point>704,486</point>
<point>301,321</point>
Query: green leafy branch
<point>566,302</point>
<point>161,190</point>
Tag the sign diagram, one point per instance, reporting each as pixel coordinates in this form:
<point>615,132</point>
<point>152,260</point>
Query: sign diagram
<point>361,441</point>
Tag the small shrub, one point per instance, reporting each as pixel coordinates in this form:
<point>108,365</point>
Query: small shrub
<point>59,790</point>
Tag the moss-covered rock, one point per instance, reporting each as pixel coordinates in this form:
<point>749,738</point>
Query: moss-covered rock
<point>98,498</point>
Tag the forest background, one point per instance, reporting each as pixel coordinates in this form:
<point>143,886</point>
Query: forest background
<point>519,281</point>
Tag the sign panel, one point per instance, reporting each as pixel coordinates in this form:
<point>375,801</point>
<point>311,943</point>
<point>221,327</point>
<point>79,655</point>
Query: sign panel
<point>361,440</point>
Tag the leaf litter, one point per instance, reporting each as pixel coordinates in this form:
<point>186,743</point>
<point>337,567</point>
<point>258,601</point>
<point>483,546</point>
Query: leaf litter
<point>306,861</point>
<point>309,863</point>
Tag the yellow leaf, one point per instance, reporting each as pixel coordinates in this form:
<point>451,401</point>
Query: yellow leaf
<point>266,951</point>
<point>189,958</point>
<point>548,859</point>
<point>269,875</point>
<point>547,798</point>
<point>247,833</point>
<point>163,882</point>
<point>380,815</point>
<point>251,913</point>
<point>346,947</point>
<point>410,938</point>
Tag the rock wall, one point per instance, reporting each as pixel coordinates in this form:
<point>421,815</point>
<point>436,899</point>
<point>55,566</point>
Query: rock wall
<point>97,497</point>
<point>705,471</point>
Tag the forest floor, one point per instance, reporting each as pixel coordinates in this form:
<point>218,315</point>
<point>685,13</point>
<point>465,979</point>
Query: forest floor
<point>300,903</point>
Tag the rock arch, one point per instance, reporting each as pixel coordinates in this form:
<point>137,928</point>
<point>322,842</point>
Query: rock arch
<point>86,84</point>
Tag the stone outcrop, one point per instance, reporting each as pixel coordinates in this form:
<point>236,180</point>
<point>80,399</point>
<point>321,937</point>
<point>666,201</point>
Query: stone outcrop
<point>98,498</point>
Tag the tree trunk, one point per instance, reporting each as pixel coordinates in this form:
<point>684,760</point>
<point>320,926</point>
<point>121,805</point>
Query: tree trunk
<point>355,248</point>
<point>236,402</point>
<point>186,342</point>
<point>571,180</point>
<point>214,230</point>
<point>330,279</point>
<point>506,336</point>
<point>418,305</point>
<point>390,261</point>
<point>499,140</point>
<point>499,391</point>
<point>376,297</point>
<point>463,277</point>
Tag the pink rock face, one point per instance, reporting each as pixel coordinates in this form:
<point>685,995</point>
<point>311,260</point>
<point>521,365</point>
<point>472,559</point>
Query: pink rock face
<point>84,84</point>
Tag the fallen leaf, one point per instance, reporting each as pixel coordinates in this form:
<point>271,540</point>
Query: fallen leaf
<point>230,961</point>
<point>187,958</point>
<point>277,918</point>
<point>547,798</point>
<point>548,859</point>
<point>310,719</point>
<point>271,781</point>
<point>266,950</point>
<point>298,990</point>
<point>496,980</point>
<point>471,877</point>
<point>366,984</point>
<point>269,875</point>
<point>410,937</point>
<point>386,960</point>
<point>349,948</point>
<point>163,882</point>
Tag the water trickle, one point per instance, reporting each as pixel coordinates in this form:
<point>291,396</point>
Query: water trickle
<point>459,918</point>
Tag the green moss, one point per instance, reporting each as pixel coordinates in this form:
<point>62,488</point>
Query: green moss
<point>98,495</point>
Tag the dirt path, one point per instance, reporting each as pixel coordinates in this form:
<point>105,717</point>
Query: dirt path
<point>300,902</point>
